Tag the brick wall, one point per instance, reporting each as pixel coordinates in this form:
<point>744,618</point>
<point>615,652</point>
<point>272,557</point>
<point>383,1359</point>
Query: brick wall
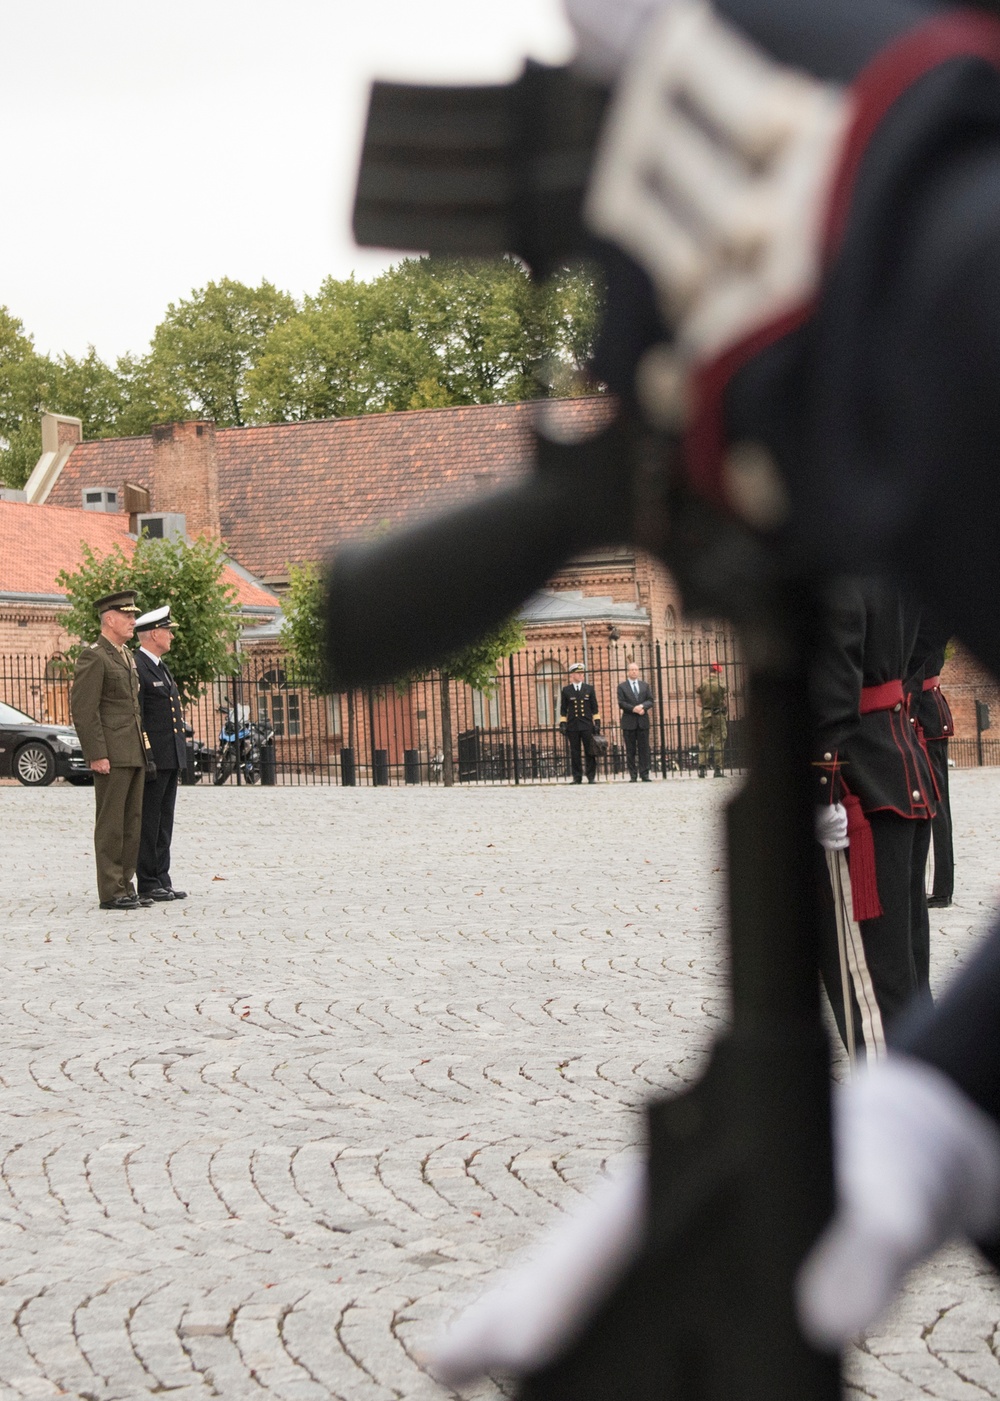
<point>186,474</point>
<point>32,631</point>
<point>964,681</point>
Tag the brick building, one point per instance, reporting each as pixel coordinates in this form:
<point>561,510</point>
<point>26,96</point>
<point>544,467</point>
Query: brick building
<point>285,494</point>
<point>36,544</point>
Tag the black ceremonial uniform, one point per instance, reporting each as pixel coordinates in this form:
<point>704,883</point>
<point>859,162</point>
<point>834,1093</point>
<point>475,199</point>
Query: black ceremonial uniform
<point>580,718</point>
<point>870,758</point>
<point>163,721</point>
<point>933,715</point>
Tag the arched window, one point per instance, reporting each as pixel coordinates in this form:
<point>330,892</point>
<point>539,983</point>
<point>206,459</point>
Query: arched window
<point>548,684</point>
<point>671,619</point>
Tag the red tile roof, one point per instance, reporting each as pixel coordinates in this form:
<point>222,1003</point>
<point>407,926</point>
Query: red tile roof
<point>290,492</point>
<point>36,542</point>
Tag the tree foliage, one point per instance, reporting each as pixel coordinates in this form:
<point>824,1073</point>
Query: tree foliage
<point>302,631</point>
<point>428,333</point>
<point>476,665</point>
<point>188,576</point>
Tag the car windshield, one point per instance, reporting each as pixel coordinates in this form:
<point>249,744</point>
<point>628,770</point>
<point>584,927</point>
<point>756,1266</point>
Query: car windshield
<point>10,716</point>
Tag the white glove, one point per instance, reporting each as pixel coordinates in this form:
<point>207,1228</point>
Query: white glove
<point>607,30</point>
<point>521,1324</point>
<point>831,827</point>
<point>916,1163</point>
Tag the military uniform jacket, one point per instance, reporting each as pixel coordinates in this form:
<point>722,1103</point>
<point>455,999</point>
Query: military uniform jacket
<point>932,709</point>
<point>162,713</point>
<point>627,698</point>
<point>713,696</point>
<point>867,744</point>
<point>105,706</point>
<point>579,709</point>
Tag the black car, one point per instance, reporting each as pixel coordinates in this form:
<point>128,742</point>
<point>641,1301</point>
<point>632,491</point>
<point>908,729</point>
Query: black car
<point>35,754</point>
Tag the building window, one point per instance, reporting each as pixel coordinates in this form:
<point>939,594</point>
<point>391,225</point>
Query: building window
<point>285,714</point>
<point>486,710</point>
<point>334,723</point>
<point>671,619</point>
<point>548,678</point>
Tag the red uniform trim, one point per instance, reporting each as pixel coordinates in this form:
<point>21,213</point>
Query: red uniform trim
<point>883,697</point>
<point>953,34</point>
<point>931,683</point>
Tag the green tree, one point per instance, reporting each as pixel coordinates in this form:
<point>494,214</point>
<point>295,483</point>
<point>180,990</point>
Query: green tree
<point>315,364</point>
<point>303,632</point>
<point>425,334</point>
<point>24,379</point>
<point>205,347</point>
<point>188,576</point>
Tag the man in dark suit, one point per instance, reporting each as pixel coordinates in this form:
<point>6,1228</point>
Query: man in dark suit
<point>163,720</point>
<point>106,714</point>
<point>635,700</point>
<point>580,720</point>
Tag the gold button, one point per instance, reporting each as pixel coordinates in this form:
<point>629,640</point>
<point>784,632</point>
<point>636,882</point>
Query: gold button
<point>898,705</point>
<point>827,755</point>
<point>823,779</point>
<point>916,793</point>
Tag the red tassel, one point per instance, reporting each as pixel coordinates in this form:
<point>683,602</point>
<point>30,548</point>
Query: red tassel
<point>861,861</point>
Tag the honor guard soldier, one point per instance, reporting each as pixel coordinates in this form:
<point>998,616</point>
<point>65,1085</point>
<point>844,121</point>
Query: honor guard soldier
<point>871,761</point>
<point>713,697</point>
<point>163,722</point>
<point>580,720</point>
<point>105,707</point>
<point>933,715</point>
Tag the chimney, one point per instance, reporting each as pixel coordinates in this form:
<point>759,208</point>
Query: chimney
<point>60,435</point>
<point>186,474</point>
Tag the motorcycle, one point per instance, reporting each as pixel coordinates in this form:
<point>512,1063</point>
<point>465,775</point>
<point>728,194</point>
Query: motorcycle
<point>243,746</point>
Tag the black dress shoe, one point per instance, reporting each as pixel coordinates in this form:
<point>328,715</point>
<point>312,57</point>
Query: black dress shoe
<point>938,902</point>
<point>159,894</point>
<point>144,901</point>
<point>123,902</point>
<point>633,779</point>
<point>646,778</point>
<point>178,894</point>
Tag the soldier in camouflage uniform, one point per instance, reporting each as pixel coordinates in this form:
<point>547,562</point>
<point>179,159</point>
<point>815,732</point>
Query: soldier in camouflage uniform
<point>713,697</point>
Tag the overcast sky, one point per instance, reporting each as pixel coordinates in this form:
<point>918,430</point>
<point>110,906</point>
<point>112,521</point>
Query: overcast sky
<point>153,147</point>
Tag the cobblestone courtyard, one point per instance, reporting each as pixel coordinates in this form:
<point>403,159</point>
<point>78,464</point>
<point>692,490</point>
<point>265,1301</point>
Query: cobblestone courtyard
<point>261,1142</point>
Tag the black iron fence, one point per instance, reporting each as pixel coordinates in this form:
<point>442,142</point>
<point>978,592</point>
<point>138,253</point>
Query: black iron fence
<point>435,730</point>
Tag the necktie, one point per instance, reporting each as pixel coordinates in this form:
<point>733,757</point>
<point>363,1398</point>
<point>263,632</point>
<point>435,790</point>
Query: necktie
<point>635,689</point>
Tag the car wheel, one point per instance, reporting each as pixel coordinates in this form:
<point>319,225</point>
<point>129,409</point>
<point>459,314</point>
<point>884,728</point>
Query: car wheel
<point>34,764</point>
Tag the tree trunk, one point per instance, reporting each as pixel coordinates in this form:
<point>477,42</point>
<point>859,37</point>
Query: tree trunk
<point>448,766</point>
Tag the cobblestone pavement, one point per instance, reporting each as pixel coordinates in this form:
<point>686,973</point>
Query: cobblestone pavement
<point>259,1143</point>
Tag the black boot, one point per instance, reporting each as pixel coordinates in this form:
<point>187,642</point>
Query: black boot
<point>701,770</point>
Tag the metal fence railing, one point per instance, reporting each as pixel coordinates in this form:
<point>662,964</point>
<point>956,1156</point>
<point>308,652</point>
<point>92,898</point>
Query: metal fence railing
<point>434,731</point>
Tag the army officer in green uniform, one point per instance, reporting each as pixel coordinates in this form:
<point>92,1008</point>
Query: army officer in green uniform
<point>105,706</point>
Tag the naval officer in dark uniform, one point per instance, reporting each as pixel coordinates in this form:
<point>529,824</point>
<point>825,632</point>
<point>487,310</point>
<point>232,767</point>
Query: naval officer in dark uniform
<point>163,721</point>
<point>580,720</point>
<point>105,705</point>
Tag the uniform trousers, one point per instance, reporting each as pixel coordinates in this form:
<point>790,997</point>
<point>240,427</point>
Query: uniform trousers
<point>712,739</point>
<point>944,851</point>
<point>896,945</point>
<point>579,755</point>
<point>157,830</point>
<point>637,751</point>
<point>117,825</point>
